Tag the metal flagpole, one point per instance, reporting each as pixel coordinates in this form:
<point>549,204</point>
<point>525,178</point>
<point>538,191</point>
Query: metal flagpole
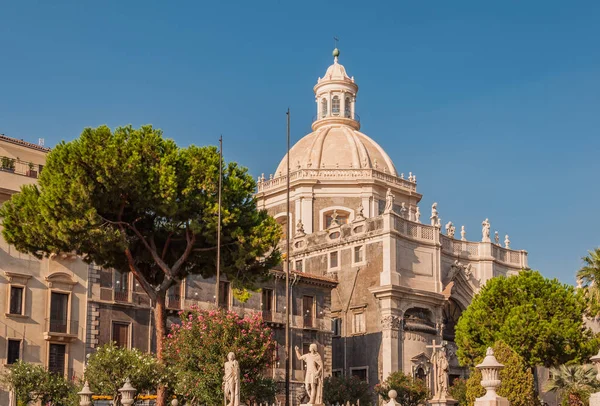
<point>287,275</point>
<point>219,222</point>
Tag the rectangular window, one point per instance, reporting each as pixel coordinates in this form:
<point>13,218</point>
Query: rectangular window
<point>333,259</point>
<point>14,351</point>
<point>299,265</point>
<point>56,358</point>
<point>358,325</point>
<point>224,295</point>
<point>337,373</point>
<point>336,327</point>
<point>16,300</point>
<point>267,300</point>
<point>358,254</point>
<point>308,304</point>
<point>360,373</point>
<point>120,334</point>
<point>59,305</point>
<point>174,297</point>
<point>121,286</point>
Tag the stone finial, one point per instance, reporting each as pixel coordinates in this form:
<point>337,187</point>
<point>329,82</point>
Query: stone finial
<point>85,396</point>
<point>402,175</point>
<point>506,242</point>
<point>174,402</point>
<point>490,374</point>
<point>392,395</point>
<point>127,393</point>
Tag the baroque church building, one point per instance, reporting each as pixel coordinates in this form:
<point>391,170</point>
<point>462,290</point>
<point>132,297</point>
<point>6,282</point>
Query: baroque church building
<point>402,280</point>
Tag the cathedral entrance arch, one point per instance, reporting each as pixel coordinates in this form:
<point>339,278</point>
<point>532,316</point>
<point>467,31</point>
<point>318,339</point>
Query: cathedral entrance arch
<point>451,312</point>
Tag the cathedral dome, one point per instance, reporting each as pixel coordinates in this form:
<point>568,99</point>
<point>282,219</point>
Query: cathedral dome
<point>337,146</point>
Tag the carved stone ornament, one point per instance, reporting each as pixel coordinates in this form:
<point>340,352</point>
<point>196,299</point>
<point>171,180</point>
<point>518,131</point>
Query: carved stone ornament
<point>391,322</point>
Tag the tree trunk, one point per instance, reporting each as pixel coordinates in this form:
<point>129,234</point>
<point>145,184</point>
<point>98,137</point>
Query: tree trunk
<point>161,332</point>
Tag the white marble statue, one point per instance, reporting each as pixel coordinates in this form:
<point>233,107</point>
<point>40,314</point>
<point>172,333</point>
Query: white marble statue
<point>300,228</point>
<point>418,215</point>
<point>389,201</point>
<point>450,229</point>
<point>360,212</point>
<point>313,378</point>
<point>403,210</point>
<point>496,238</point>
<point>485,231</point>
<point>506,242</point>
<point>231,380</point>
<point>440,377</point>
<point>434,215</point>
<point>463,233</point>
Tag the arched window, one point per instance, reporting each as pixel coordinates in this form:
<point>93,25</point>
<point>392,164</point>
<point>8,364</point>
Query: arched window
<point>323,108</point>
<point>420,374</point>
<point>335,106</point>
<point>347,110</point>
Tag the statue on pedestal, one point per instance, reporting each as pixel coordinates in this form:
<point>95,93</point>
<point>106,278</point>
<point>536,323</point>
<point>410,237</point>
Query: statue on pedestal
<point>231,380</point>
<point>434,215</point>
<point>450,229</point>
<point>418,215</point>
<point>313,380</point>
<point>496,238</point>
<point>463,233</point>
<point>440,366</point>
<point>485,231</point>
<point>389,201</point>
<point>403,210</point>
<point>506,242</point>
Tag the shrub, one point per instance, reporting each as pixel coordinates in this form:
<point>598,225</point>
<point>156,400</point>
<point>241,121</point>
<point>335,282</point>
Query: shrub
<point>346,389</point>
<point>196,350</point>
<point>458,391</point>
<point>411,392</point>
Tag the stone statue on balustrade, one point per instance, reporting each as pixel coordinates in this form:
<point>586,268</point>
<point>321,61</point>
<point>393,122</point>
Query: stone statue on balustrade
<point>360,213</point>
<point>313,379</point>
<point>231,381</point>
<point>434,215</point>
<point>389,201</point>
<point>418,215</point>
<point>450,229</point>
<point>496,238</point>
<point>463,233</point>
<point>403,210</point>
<point>506,242</point>
<point>300,228</point>
<point>485,231</point>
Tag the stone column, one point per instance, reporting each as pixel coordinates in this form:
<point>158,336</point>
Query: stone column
<point>595,397</point>
<point>391,326</point>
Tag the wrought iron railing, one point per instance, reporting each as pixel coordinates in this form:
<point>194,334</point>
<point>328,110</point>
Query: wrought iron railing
<point>16,166</point>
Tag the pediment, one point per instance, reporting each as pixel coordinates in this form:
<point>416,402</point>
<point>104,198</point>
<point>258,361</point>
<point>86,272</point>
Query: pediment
<point>421,358</point>
<point>60,280</point>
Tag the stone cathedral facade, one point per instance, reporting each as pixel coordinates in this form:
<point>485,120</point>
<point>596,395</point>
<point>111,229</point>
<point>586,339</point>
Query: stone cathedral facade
<point>403,279</point>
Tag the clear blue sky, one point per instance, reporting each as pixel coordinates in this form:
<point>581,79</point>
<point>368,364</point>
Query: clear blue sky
<point>495,107</point>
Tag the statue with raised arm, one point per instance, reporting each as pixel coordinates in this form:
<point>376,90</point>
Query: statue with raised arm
<point>231,381</point>
<point>313,379</point>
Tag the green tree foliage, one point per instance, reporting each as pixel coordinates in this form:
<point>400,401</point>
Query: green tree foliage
<point>517,379</point>
<point>33,383</point>
<point>573,384</point>
<point>196,351</point>
<point>133,200</point>
<point>458,391</point>
<point>589,277</point>
<point>541,319</point>
<point>411,392</point>
<point>341,389</point>
<point>109,367</point>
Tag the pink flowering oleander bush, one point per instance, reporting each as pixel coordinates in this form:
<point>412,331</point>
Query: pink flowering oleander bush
<point>196,351</point>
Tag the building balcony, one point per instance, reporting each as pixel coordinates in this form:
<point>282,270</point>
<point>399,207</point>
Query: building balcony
<point>14,173</point>
<point>61,330</point>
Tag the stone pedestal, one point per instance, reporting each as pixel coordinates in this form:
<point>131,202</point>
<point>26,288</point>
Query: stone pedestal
<point>442,401</point>
<point>595,399</point>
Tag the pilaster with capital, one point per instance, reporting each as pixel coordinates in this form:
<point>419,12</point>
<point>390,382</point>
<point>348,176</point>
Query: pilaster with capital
<point>391,337</point>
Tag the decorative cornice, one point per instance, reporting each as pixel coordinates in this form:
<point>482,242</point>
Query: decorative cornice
<point>391,322</point>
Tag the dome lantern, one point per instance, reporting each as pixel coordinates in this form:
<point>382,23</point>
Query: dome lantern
<point>335,95</point>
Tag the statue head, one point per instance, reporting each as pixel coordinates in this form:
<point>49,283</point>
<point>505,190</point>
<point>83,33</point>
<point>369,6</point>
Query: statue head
<point>230,356</point>
<point>313,348</point>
